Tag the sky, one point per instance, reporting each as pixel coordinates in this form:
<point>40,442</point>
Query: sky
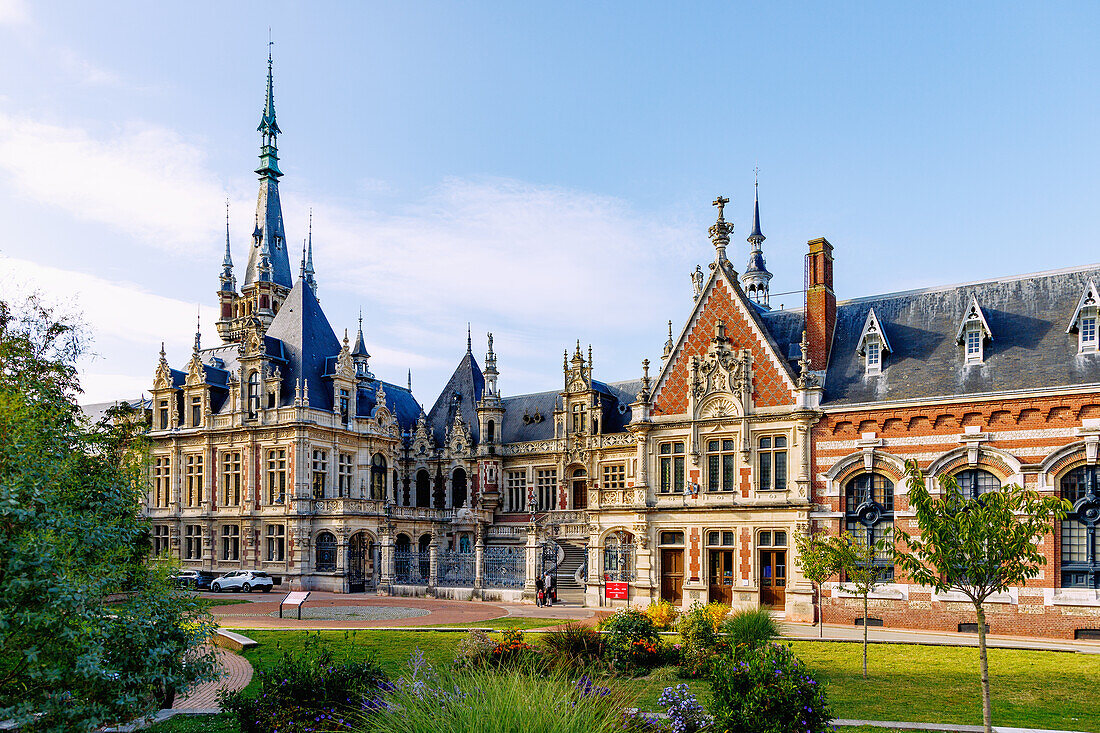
<point>543,171</point>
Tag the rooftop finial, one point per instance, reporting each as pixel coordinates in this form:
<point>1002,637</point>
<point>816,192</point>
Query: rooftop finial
<point>302,265</point>
<point>469,339</point>
<point>198,329</point>
<point>410,381</point>
<point>721,229</point>
<point>755,234</point>
<point>756,278</point>
<point>228,261</point>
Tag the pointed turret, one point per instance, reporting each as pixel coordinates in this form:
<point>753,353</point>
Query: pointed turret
<point>268,238</point>
<point>228,281</point>
<point>360,348</point>
<point>756,278</point>
<point>307,270</point>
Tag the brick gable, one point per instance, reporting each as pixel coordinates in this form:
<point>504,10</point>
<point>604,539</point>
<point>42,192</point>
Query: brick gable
<point>770,387</point>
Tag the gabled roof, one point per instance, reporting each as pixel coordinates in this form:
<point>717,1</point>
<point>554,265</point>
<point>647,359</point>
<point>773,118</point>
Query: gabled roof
<point>872,327</point>
<point>399,401</point>
<point>307,340</point>
<point>1028,314</point>
<point>1089,298</point>
<point>973,314</point>
<point>617,398</point>
<point>462,393</point>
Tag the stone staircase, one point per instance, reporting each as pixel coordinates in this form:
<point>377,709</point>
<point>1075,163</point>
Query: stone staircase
<point>569,590</point>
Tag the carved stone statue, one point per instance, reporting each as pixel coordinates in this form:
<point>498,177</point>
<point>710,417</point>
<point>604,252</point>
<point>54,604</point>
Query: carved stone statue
<point>697,281</point>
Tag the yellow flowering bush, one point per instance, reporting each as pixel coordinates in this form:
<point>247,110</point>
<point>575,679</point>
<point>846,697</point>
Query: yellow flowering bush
<point>663,614</point>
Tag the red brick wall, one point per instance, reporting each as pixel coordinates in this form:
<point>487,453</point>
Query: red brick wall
<point>770,388</point>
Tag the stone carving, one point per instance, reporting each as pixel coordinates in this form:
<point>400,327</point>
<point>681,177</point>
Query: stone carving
<point>697,281</point>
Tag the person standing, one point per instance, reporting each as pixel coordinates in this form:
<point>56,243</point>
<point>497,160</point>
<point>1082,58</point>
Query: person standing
<point>548,587</point>
<point>540,591</point>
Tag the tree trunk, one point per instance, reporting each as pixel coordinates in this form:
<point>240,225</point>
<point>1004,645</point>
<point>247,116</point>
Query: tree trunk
<point>865,638</point>
<point>987,713</point>
<point>820,614</point>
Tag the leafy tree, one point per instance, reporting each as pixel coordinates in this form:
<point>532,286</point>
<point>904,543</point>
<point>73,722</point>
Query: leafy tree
<point>818,565</point>
<point>90,631</point>
<point>856,560</point>
<point>976,546</point>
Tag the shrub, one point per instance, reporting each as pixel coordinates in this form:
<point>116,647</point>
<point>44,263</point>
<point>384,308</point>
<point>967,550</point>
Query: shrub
<point>623,630</point>
<point>574,645</point>
<point>307,690</point>
<point>750,628</point>
<point>512,649</point>
<point>768,691</point>
<point>685,714</point>
<point>663,614</point>
<point>699,641</point>
<point>495,701</point>
<point>475,650</point>
<point>718,613</point>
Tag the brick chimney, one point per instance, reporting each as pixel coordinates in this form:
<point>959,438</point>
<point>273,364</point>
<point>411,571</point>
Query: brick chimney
<point>820,302</point>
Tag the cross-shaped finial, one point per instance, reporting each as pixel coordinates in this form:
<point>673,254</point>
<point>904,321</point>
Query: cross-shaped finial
<point>756,176</point>
<point>720,202</point>
<point>270,43</point>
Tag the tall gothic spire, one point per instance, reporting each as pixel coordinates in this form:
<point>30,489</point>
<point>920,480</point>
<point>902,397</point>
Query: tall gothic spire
<point>268,237</point>
<point>756,278</point>
<point>309,272</point>
<point>228,282</point>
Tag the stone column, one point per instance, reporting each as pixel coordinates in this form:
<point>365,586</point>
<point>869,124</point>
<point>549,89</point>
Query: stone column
<point>532,561</point>
<point>385,579</point>
<point>593,593</point>
<point>479,559</point>
<point>433,572</point>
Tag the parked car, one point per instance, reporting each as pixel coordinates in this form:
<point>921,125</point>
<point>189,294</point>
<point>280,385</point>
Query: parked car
<point>244,580</point>
<point>194,579</point>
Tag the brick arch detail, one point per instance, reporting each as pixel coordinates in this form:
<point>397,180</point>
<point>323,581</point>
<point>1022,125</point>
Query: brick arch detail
<point>988,458</point>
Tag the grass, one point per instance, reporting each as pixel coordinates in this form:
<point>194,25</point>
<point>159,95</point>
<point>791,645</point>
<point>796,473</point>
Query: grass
<point>506,623</point>
<point>908,682</point>
<point>211,602</point>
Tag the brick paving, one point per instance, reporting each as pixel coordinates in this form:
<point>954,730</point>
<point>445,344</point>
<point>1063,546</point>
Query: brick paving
<point>236,673</point>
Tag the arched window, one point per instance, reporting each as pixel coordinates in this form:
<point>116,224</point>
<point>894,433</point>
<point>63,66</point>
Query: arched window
<point>618,557</point>
<point>423,488</point>
<point>458,487</point>
<point>1080,540</point>
<point>869,514</point>
<point>974,482</point>
<point>326,553</point>
<point>492,431</point>
<point>253,394</point>
<point>378,477</point>
<point>396,488</point>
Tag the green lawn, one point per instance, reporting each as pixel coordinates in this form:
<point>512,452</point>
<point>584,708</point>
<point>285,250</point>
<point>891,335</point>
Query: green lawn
<point>508,622</point>
<point>907,682</point>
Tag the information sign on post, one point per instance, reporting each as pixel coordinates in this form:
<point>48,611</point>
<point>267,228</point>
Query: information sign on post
<point>616,591</point>
<point>296,599</point>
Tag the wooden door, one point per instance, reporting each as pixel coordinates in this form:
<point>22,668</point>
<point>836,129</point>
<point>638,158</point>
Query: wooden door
<point>721,576</point>
<point>580,494</point>
<point>773,578</point>
<point>672,576</point>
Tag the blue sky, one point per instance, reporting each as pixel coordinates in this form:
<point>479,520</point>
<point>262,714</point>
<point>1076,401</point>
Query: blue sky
<point>542,170</point>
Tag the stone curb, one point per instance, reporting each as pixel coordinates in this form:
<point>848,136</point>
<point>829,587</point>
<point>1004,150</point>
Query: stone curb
<point>952,728</point>
<point>161,716</point>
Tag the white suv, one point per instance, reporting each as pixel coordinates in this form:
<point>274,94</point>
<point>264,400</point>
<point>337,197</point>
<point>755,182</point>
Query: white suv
<point>244,580</point>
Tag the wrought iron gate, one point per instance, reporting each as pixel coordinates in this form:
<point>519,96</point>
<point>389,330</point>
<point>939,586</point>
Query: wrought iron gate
<point>357,563</point>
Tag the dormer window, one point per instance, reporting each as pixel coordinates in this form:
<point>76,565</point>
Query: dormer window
<point>873,344</point>
<point>973,332</point>
<point>1087,332</point>
<point>1084,320</point>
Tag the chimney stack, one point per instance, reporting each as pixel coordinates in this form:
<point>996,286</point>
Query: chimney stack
<point>820,302</point>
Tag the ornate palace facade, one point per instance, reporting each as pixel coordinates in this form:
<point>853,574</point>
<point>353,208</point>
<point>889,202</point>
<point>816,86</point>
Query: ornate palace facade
<point>278,449</point>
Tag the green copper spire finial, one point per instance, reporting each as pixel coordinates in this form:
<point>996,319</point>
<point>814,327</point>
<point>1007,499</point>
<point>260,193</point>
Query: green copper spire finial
<point>269,128</point>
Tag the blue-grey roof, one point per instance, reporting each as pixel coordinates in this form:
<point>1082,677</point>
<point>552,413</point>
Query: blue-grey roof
<point>1030,348</point>
<point>785,328</point>
<point>756,263</point>
<point>307,340</point>
<point>616,398</point>
<point>398,399</point>
<point>269,233</point>
<point>462,393</point>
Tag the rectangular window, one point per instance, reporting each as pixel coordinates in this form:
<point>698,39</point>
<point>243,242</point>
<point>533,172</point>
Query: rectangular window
<point>231,542</point>
<point>276,542</point>
<point>193,480</point>
<point>164,414</point>
<point>231,478</point>
<point>546,481</point>
<point>1088,333</point>
<point>192,545</point>
<point>320,472</point>
<point>343,474</point>
<point>721,466</point>
<point>772,463</point>
<point>578,418</point>
<point>516,501</point>
<point>614,476</point>
<point>276,476</point>
<point>160,540</point>
<point>161,481</point>
<point>672,538</point>
<point>973,344</point>
<point>874,356</point>
<point>196,412</point>
<point>345,414</point>
<point>672,468</point>
<point>721,539</point>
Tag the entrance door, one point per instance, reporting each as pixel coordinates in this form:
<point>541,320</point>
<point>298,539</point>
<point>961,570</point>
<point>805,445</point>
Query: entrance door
<point>580,494</point>
<point>672,576</point>
<point>721,576</point>
<point>357,564</point>
<point>773,578</point>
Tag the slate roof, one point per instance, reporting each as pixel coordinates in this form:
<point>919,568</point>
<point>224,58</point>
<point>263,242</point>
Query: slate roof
<point>398,399</point>
<point>307,340</point>
<point>1030,348</point>
<point>515,430</point>
<point>785,327</point>
<point>96,411</point>
<point>462,393</point>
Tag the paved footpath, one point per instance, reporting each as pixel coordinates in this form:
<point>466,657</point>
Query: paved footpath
<point>236,673</point>
<point>806,632</point>
<point>944,728</point>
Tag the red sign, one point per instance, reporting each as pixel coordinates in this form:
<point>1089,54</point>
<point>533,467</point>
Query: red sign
<point>616,591</point>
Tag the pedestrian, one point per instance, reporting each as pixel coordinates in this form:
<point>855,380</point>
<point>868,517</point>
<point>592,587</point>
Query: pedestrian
<point>540,589</point>
<point>548,586</point>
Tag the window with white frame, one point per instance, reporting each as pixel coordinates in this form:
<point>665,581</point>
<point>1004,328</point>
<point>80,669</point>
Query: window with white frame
<point>516,501</point>
<point>161,481</point>
<point>721,466</point>
<point>973,344</point>
<point>231,478</point>
<point>231,542</point>
<point>1086,331</point>
<point>320,472</point>
<point>276,476</point>
<point>772,455</point>
<point>672,467</point>
<point>276,542</point>
<point>343,475</point>
<point>614,476</point>
<point>874,356</point>
<point>192,544</point>
<point>193,479</point>
<point>546,482</point>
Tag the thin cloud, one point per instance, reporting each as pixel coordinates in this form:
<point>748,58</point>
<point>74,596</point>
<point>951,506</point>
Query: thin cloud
<point>13,12</point>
